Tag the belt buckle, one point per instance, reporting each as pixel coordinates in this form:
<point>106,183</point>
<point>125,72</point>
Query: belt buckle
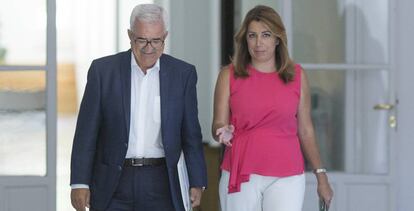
<point>136,164</point>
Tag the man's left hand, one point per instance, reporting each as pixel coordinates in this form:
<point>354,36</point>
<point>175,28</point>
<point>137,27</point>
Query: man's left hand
<point>195,196</point>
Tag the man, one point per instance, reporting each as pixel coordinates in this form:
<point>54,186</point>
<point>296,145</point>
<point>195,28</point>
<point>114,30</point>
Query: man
<point>139,111</point>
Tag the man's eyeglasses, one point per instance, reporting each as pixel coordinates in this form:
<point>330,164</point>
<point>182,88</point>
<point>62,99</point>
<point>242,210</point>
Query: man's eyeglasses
<point>155,43</point>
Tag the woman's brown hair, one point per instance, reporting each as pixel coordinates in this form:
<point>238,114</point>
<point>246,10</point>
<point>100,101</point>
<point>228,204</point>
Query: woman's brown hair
<point>242,58</point>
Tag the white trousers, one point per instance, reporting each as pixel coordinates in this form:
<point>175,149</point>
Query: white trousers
<point>264,193</point>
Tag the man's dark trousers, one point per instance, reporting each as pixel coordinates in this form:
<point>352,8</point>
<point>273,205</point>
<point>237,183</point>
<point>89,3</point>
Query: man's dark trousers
<point>143,188</point>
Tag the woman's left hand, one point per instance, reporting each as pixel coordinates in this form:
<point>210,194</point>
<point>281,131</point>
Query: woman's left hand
<point>225,134</point>
<point>325,191</point>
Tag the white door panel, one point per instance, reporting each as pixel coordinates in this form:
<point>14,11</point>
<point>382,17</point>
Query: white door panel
<point>25,198</point>
<point>362,197</point>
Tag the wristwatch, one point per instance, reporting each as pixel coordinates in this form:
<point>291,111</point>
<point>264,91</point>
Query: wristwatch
<point>319,170</point>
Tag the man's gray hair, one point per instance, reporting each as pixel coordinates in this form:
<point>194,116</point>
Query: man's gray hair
<point>149,13</point>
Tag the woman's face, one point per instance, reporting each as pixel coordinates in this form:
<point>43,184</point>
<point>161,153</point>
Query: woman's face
<point>261,42</point>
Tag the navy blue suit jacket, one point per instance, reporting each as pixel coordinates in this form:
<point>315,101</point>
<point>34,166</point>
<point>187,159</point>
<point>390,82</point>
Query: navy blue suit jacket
<point>102,130</point>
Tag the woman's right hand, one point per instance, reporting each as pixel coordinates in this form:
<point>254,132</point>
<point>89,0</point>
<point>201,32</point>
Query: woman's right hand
<point>225,134</point>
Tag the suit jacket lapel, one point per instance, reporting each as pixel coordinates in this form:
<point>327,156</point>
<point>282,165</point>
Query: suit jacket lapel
<point>125,68</point>
<point>164,87</point>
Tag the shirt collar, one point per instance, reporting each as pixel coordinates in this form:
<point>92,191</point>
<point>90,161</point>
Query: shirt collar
<point>134,64</point>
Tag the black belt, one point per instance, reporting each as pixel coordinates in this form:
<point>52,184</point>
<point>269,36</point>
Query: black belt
<point>136,162</point>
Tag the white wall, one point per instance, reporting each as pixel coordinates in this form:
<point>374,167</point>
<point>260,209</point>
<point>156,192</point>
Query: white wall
<point>95,35</point>
<point>65,29</point>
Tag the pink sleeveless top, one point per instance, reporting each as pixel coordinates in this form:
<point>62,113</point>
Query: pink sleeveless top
<point>263,111</point>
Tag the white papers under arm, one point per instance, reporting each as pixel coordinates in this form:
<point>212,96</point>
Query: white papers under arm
<point>184,183</point>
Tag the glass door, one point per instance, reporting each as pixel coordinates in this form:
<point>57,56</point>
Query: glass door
<point>27,105</point>
<point>344,47</point>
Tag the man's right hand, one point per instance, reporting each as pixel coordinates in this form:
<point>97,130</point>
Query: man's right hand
<point>80,198</point>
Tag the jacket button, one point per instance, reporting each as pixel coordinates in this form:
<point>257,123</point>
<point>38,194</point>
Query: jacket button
<point>120,168</point>
<point>126,145</point>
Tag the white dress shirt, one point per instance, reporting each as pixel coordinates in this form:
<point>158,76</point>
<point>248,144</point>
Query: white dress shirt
<point>145,125</point>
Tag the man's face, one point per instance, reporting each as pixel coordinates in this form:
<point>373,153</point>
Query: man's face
<point>147,42</point>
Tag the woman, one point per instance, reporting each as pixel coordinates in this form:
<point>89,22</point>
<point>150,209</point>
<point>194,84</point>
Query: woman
<point>262,115</point>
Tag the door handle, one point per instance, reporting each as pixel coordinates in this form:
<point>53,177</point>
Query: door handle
<point>392,120</point>
<point>383,106</point>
